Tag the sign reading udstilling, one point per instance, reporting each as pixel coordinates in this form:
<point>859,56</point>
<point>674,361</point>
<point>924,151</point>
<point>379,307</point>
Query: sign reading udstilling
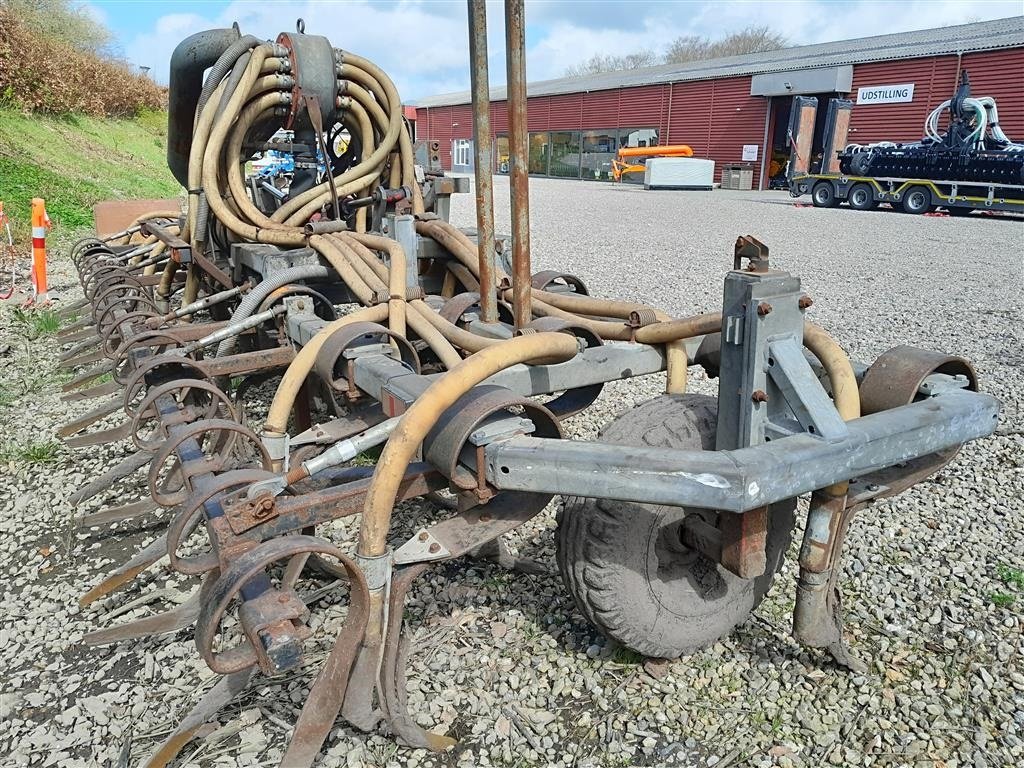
<point>885,94</point>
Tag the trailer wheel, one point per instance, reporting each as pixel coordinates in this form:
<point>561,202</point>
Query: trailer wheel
<point>861,198</point>
<point>626,565</point>
<point>917,200</point>
<point>823,195</point>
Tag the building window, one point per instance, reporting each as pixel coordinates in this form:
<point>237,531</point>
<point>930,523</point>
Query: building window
<point>462,152</point>
<point>638,137</point>
<point>540,150</point>
<point>597,152</point>
<point>565,154</point>
<point>502,156</point>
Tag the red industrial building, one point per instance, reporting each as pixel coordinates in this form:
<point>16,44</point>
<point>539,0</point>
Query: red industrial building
<point>736,109</point>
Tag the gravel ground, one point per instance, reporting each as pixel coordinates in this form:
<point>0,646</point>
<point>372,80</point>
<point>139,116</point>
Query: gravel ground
<point>931,581</point>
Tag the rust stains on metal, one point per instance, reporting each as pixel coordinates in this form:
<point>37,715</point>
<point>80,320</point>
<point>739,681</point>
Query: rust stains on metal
<point>518,139</point>
<point>483,159</point>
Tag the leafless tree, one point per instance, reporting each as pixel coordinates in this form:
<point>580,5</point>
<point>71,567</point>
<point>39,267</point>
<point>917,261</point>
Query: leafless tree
<point>753,39</point>
<point>609,63</point>
<point>750,40</point>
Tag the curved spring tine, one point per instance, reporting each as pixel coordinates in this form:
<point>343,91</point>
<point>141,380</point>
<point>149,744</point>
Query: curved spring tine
<point>106,388</point>
<point>328,690</point>
<point>132,463</point>
<point>79,348</point>
<point>127,571</point>
<point>394,694</point>
<point>226,689</point>
<point>72,309</point>
<point>179,617</point>
<point>118,514</point>
<point>97,413</point>
<point>83,359</point>
<point>103,437</point>
<point>95,372</point>
<point>77,333</point>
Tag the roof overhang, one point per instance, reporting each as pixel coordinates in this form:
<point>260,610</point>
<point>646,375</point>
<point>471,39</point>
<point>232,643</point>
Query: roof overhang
<point>803,81</point>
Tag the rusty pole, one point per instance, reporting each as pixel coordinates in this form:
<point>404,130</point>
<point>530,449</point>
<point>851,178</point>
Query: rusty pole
<point>482,157</point>
<point>518,139</point>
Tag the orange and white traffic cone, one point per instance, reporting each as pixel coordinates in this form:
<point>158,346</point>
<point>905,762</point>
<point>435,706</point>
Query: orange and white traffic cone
<point>40,226</point>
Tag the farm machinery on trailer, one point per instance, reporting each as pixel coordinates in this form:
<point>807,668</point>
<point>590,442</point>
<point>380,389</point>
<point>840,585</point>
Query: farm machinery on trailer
<point>972,166</point>
<point>355,298</point>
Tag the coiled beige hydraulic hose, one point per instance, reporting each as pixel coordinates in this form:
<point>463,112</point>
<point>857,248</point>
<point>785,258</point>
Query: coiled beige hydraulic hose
<point>543,303</point>
<point>298,370</point>
<point>845,392</point>
<point>315,195</point>
<point>419,322</point>
<point>396,275</point>
<point>424,413</point>
<point>427,317</point>
<point>367,141</point>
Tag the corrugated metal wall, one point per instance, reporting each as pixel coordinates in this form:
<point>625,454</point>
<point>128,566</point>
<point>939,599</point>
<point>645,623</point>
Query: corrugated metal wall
<point>717,117</point>
<point>999,74</point>
<point>737,118</point>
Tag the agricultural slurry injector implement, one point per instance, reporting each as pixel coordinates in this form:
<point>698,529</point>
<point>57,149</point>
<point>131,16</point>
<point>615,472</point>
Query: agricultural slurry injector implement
<point>349,290</point>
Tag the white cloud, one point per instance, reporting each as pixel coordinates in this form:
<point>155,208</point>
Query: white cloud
<point>423,45</point>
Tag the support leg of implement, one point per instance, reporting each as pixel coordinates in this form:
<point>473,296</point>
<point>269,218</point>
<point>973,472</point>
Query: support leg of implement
<point>519,149</point>
<point>483,158</point>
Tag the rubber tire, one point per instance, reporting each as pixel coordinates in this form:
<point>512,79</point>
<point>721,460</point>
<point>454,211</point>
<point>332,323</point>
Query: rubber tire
<point>862,190</point>
<point>606,549</point>
<point>823,195</point>
<point>910,195</point>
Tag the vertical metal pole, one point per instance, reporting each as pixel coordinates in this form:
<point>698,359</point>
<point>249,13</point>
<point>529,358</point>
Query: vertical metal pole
<point>482,157</point>
<point>765,146</point>
<point>518,140</point>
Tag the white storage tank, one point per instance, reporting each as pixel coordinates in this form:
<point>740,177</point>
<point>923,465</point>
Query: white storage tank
<point>679,173</point>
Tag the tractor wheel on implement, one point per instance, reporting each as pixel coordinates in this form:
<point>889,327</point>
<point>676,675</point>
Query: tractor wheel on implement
<point>626,564</point>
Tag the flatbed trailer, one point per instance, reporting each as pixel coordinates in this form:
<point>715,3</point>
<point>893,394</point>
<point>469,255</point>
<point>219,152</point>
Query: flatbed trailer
<point>864,193</point>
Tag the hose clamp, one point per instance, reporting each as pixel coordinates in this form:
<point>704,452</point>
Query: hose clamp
<point>276,444</point>
<point>377,570</point>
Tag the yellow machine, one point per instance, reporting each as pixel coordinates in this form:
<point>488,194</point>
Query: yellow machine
<point>639,156</point>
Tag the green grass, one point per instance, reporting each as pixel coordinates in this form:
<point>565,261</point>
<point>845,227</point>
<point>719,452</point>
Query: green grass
<point>33,323</point>
<point>1011,576</point>
<point>1001,599</point>
<point>43,452</point>
<point>75,161</point>
<point>628,656</point>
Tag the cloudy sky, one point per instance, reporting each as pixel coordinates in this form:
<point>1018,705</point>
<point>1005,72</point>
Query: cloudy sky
<point>423,45</point>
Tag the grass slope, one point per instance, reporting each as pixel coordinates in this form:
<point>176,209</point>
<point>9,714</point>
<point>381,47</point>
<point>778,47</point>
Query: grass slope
<point>75,161</point>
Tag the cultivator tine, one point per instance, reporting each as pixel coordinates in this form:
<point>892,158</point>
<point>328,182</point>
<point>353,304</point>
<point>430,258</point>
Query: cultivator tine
<point>226,689</point>
<point>328,690</point>
<point>93,373</point>
<point>80,331</point>
<point>179,617</point>
<point>88,343</point>
<point>72,310</point>
<point>393,683</point>
<point>97,413</point>
<point>106,388</point>
<point>103,437</point>
<point>125,572</point>
<point>127,466</point>
<point>118,514</point>
<point>82,359</point>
